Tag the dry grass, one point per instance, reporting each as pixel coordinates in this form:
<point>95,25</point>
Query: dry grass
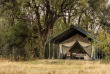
<point>54,67</point>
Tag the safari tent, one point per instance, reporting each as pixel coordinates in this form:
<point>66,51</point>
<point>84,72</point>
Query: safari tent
<point>73,43</point>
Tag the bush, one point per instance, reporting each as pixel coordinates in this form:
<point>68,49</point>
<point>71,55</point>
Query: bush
<point>103,44</point>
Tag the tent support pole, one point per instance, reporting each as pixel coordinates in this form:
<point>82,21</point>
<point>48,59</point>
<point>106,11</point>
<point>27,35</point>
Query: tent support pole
<point>53,50</point>
<point>49,49</point>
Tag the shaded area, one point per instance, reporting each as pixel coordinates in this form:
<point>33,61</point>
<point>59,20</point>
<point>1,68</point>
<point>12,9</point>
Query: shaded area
<point>77,48</point>
<point>76,52</point>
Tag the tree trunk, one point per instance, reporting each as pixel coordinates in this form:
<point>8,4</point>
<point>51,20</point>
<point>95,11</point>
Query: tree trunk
<point>16,53</point>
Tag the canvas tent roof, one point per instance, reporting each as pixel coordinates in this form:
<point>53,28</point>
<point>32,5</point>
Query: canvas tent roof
<point>72,30</point>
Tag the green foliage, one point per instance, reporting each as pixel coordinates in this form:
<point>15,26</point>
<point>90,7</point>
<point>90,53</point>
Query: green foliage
<point>45,19</point>
<point>14,39</point>
<point>16,35</point>
<point>103,44</point>
<point>59,27</point>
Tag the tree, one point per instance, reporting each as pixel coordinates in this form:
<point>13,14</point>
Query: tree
<point>102,43</point>
<point>44,14</point>
<point>14,39</point>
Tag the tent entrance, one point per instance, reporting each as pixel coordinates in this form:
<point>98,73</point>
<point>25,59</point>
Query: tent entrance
<point>76,51</point>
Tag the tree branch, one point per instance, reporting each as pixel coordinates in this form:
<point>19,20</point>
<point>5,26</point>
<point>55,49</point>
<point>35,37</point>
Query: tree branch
<point>38,20</point>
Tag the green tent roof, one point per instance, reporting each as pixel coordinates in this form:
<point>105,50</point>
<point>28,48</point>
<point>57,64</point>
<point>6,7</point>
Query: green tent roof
<point>72,30</point>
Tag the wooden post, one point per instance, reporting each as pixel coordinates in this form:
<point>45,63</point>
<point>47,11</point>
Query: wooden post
<point>59,51</point>
<point>53,50</point>
<point>49,49</point>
